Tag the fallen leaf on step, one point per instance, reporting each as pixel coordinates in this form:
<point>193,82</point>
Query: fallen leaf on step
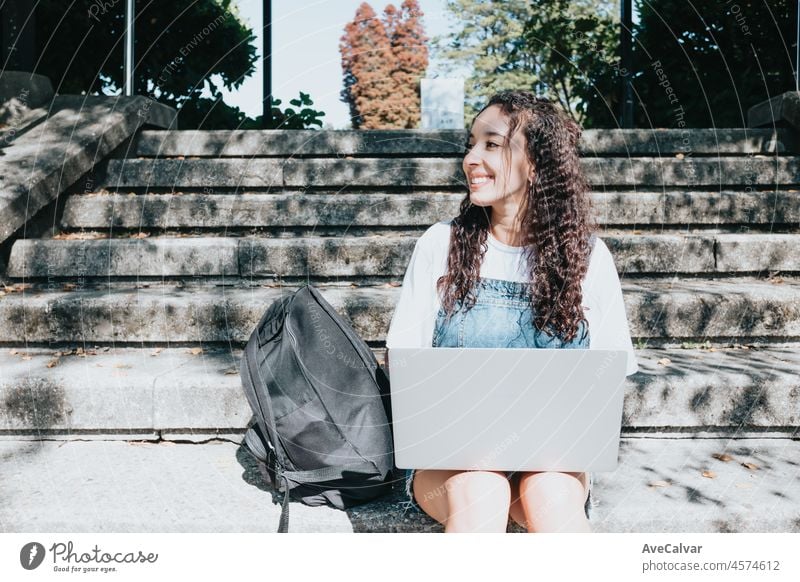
<point>16,287</point>
<point>751,466</point>
<point>52,363</point>
<point>710,474</point>
<point>722,457</point>
<point>156,351</point>
<point>659,484</point>
<point>79,236</point>
<point>140,235</point>
<point>231,372</point>
<point>69,287</point>
<point>664,362</point>
<point>123,366</point>
<point>679,156</point>
<point>195,351</point>
<point>26,357</point>
<point>13,352</point>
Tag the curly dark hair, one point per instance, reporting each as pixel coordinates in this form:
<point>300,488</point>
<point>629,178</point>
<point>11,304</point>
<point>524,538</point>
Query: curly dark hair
<point>556,221</point>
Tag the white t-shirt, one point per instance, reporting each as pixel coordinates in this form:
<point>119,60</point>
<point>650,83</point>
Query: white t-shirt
<point>415,315</point>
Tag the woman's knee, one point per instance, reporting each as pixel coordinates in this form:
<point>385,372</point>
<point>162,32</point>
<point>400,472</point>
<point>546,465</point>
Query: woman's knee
<point>478,489</point>
<point>554,486</point>
<point>553,502</point>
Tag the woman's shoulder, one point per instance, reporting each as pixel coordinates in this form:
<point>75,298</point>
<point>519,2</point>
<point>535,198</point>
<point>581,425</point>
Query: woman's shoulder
<point>436,236</point>
<point>602,270</point>
<point>600,252</point>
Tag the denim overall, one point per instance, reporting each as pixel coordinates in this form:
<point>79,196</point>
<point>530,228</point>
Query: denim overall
<point>500,318</point>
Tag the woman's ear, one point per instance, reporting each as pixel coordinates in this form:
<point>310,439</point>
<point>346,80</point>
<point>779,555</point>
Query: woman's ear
<point>531,171</point>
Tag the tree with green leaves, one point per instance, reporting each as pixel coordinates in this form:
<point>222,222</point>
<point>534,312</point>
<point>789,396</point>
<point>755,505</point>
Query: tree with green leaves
<point>182,49</point>
<point>382,62</point>
<point>561,49</point>
<point>706,64</point>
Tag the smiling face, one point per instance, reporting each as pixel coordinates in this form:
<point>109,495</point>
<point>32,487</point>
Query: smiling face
<point>497,170</point>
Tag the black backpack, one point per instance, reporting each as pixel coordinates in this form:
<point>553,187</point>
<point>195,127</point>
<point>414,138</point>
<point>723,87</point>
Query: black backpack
<point>320,400</point>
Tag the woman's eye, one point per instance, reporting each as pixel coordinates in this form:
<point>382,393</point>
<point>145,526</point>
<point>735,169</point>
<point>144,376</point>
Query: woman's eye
<point>489,144</point>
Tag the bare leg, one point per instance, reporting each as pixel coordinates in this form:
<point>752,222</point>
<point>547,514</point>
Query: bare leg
<point>552,502</point>
<point>464,501</point>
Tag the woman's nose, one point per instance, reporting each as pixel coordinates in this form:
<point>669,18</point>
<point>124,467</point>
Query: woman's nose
<point>471,157</point>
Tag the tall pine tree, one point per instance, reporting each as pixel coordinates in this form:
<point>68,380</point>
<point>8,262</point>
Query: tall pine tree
<point>382,62</point>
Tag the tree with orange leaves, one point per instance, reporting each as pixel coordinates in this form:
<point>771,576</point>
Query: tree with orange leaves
<point>383,61</point>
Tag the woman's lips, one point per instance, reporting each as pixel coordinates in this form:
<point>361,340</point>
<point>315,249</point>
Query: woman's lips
<point>476,186</point>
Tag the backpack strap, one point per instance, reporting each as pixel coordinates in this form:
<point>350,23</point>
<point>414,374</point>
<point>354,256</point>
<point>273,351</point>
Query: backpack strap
<point>250,355</point>
<point>331,473</point>
<point>283,522</point>
<point>314,476</point>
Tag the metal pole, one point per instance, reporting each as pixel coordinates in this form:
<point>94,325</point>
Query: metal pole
<point>128,85</point>
<point>626,44</point>
<point>266,115</point>
<point>797,57</point>
<point>17,31</point>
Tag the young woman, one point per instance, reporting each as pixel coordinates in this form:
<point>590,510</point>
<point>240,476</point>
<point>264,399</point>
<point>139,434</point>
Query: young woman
<point>518,267</point>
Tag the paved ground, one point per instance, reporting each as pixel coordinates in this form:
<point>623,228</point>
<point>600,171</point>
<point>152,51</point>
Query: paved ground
<point>118,486</point>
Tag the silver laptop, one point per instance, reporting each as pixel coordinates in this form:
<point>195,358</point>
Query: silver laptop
<point>507,409</point>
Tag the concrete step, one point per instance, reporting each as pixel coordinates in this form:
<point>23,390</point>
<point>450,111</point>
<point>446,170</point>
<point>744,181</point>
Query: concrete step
<point>745,308</point>
<point>287,209</point>
<point>378,256</point>
<point>196,393</point>
<point>594,142</point>
<point>101,486</point>
<point>752,171</point>
<point>41,160</point>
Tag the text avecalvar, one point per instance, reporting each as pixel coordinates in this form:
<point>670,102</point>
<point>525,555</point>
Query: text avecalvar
<point>671,549</point>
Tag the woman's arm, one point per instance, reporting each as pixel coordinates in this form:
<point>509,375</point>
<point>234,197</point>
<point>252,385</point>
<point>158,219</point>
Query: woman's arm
<point>415,313</point>
<point>608,321</point>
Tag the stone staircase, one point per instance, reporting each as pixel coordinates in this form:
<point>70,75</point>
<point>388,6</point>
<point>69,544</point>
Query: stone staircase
<point>124,320</point>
